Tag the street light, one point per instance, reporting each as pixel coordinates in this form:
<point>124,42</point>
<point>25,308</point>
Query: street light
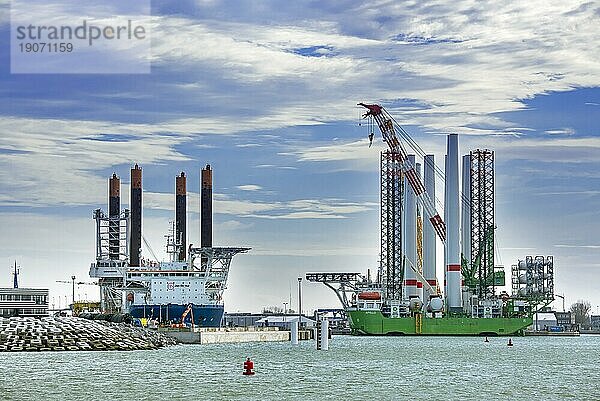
<point>73,305</point>
<point>299,302</point>
<point>285,308</point>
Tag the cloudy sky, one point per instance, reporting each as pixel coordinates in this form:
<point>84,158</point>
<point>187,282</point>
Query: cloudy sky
<point>266,93</point>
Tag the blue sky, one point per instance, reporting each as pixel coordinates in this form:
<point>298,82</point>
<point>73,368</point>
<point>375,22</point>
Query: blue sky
<point>266,93</point>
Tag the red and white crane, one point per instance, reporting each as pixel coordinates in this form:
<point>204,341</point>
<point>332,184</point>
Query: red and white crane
<point>392,134</point>
<point>388,128</point>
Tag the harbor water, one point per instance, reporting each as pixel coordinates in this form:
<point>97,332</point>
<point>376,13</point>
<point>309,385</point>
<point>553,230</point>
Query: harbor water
<point>354,368</point>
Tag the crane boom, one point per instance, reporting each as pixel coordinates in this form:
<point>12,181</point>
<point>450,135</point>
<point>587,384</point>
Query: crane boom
<point>421,278</point>
<point>385,122</point>
<point>185,313</point>
<point>77,282</point>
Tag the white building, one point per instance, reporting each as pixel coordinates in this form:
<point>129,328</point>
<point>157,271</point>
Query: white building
<point>284,321</point>
<point>542,321</point>
<point>23,302</point>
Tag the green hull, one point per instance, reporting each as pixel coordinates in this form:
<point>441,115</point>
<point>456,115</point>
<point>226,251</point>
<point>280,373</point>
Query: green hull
<point>374,323</point>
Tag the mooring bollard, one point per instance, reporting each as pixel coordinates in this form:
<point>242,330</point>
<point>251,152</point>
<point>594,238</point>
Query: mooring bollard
<point>294,333</point>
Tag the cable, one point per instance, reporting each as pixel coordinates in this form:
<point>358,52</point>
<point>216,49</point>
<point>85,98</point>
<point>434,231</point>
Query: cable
<point>150,249</point>
<point>421,153</point>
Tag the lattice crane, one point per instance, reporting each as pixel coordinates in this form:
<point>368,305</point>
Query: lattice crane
<point>73,282</point>
<point>388,128</point>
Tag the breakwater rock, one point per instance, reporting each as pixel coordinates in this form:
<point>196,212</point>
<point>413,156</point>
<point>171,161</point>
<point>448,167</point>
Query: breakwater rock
<point>75,334</point>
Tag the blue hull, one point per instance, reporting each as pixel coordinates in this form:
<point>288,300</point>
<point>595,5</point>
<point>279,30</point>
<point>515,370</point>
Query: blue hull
<point>204,315</point>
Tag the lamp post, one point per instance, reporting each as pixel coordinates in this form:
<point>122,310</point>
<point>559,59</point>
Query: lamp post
<point>285,304</point>
<point>73,305</point>
<point>299,302</point>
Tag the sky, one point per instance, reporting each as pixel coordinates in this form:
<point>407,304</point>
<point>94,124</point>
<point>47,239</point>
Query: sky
<point>265,92</point>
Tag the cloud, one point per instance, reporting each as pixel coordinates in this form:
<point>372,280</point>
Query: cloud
<point>562,131</point>
<point>271,166</point>
<point>295,209</point>
<point>356,155</point>
<point>316,251</point>
<point>460,63</point>
<point>39,156</point>
<point>55,161</point>
<point>233,225</point>
<point>568,193</point>
<point>298,215</point>
<point>577,246</point>
<point>248,145</point>
<point>249,187</point>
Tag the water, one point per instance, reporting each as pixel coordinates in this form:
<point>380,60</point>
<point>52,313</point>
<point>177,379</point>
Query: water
<point>355,368</point>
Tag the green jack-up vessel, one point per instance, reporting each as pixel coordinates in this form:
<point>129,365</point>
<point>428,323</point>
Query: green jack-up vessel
<point>405,297</point>
<point>370,314</point>
<point>369,322</point>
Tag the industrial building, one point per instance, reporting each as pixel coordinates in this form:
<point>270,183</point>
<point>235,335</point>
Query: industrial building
<point>241,319</point>
<point>265,320</point>
<point>284,322</point>
<point>595,322</point>
<point>565,320</point>
<point>25,302</point>
<point>544,321</point>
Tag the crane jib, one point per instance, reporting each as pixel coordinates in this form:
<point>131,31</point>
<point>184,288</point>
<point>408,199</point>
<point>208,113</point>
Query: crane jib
<point>439,226</point>
<point>386,125</point>
<point>387,130</point>
<point>415,183</point>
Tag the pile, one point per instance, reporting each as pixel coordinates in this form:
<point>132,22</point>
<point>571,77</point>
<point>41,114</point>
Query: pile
<point>74,334</point>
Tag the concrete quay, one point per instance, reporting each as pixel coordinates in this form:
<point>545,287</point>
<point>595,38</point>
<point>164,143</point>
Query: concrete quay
<point>231,335</point>
<point>551,333</point>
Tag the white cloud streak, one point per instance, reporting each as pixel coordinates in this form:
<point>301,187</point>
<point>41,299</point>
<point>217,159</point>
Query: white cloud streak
<point>249,187</point>
<point>578,246</point>
<point>295,209</point>
<point>356,155</point>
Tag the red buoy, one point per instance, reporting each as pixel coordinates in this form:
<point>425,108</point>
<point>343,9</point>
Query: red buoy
<point>248,367</point>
